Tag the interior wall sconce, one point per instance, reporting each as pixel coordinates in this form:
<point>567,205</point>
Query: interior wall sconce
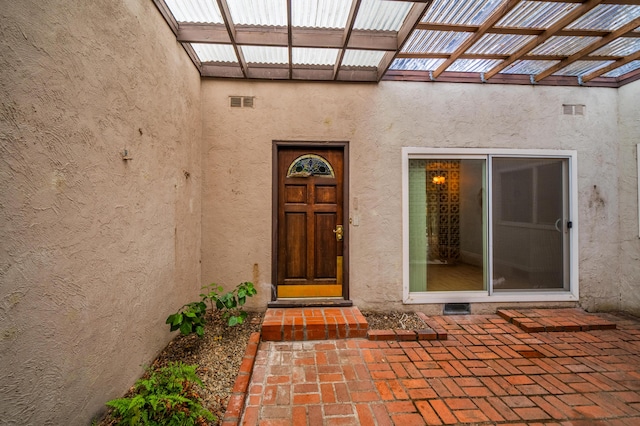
<point>438,180</point>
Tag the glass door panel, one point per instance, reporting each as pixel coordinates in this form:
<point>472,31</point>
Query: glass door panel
<point>529,218</point>
<point>447,232</point>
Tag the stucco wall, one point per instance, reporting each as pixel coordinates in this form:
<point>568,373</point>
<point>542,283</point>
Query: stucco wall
<point>378,120</point>
<point>629,107</point>
<point>95,251</point>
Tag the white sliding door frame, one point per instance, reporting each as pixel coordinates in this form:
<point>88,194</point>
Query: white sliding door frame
<point>409,153</point>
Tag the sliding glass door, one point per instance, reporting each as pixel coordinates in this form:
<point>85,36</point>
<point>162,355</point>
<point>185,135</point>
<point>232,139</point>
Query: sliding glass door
<point>529,224</point>
<point>488,224</point>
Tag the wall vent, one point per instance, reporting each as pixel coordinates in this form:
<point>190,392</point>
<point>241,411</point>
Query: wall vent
<point>573,109</point>
<point>241,101</point>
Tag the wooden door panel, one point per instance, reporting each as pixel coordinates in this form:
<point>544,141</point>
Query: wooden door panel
<point>326,194</point>
<point>296,245</point>
<point>295,194</point>
<point>325,246</point>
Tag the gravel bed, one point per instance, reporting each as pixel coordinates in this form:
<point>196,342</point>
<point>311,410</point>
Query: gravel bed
<point>393,320</point>
<point>219,352</point>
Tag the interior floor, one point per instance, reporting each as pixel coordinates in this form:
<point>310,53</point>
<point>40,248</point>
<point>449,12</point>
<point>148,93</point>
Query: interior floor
<point>465,277</point>
<point>454,277</point>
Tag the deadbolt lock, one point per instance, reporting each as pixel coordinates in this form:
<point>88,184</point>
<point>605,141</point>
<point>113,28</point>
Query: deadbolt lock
<point>339,232</point>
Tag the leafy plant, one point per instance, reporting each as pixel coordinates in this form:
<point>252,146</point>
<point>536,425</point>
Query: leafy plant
<point>167,396</point>
<point>231,302</point>
<point>191,317</point>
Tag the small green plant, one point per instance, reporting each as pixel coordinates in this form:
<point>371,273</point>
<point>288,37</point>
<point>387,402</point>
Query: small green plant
<point>167,396</point>
<point>191,317</point>
<point>231,302</point>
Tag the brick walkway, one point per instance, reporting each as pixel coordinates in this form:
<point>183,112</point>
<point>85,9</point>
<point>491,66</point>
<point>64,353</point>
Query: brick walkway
<point>489,371</point>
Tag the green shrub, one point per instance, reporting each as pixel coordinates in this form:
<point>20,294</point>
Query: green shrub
<point>167,396</point>
<point>231,302</point>
<point>191,317</point>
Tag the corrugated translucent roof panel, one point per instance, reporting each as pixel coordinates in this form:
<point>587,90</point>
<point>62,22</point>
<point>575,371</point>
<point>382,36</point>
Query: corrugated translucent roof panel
<point>258,12</point>
<point>434,41</point>
<point>215,52</point>
<point>533,14</point>
<point>362,58</point>
<point>202,11</point>
<point>416,64</point>
<point>619,47</point>
<point>381,15</point>
<point>528,67</point>
<point>310,56</point>
<point>631,66</point>
<point>265,54</point>
<point>563,46</point>
<point>607,17</point>
<point>582,67</point>
<point>461,12</point>
<point>500,43</point>
<point>320,13</point>
<point>473,65</point>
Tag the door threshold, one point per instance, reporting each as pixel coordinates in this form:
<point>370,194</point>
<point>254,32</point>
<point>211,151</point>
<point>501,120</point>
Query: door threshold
<point>309,303</point>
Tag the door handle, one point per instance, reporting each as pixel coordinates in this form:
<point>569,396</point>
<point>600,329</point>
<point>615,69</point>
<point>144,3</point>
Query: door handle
<point>339,232</point>
<point>556,225</point>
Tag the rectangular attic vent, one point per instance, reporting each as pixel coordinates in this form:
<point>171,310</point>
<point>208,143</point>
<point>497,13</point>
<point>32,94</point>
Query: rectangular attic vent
<point>241,101</point>
<point>573,109</point>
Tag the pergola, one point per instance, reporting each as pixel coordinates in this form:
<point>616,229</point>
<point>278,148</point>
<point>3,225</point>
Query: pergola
<point>551,42</point>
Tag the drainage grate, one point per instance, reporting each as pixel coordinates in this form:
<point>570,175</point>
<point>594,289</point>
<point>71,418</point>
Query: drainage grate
<point>457,308</point>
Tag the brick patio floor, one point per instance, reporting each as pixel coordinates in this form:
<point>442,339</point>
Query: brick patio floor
<point>489,371</point>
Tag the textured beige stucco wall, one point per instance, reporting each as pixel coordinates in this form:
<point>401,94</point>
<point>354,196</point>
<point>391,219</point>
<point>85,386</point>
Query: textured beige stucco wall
<point>95,251</point>
<point>378,120</point>
<point>629,107</point>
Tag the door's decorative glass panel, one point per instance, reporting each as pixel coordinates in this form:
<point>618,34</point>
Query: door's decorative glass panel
<point>310,165</point>
<point>530,232</point>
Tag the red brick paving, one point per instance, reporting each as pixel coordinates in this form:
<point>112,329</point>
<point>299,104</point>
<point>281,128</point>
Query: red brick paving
<point>489,371</point>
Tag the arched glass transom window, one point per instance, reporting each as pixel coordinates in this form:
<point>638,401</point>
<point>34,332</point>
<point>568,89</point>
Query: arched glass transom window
<point>310,165</point>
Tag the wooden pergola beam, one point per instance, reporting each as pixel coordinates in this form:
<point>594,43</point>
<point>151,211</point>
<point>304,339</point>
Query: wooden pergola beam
<point>289,40</point>
<point>414,16</point>
<point>353,13</point>
<point>279,36</point>
<point>228,22</point>
<point>568,32</point>
<point>485,56</point>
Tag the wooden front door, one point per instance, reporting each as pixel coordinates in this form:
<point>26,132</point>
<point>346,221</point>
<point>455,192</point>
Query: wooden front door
<point>310,225</point>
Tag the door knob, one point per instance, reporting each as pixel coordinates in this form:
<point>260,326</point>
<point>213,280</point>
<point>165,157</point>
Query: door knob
<point>339,232</point>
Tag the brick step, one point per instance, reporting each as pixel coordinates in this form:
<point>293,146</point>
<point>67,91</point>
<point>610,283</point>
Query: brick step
<point>313,323</point>
<point>555,320</point>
